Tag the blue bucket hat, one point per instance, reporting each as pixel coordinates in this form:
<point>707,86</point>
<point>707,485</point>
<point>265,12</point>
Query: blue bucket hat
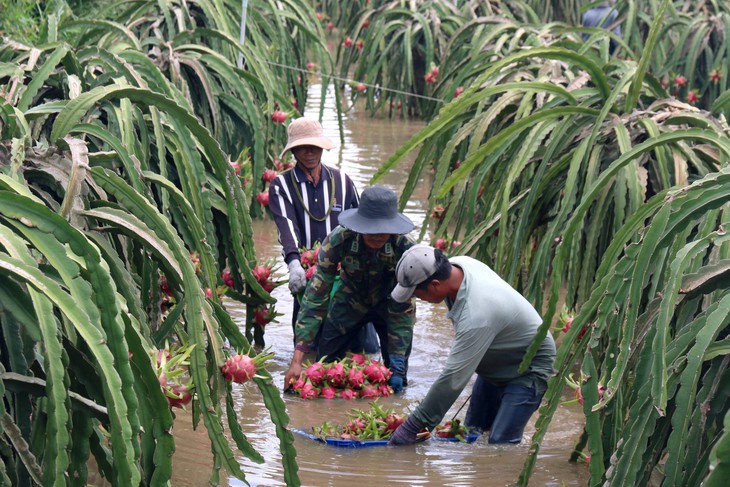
<point>377,213</point>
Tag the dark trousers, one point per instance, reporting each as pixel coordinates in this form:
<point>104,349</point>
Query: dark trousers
<point>365,341</point>
<point>334,343</point>
<point>502,410</point>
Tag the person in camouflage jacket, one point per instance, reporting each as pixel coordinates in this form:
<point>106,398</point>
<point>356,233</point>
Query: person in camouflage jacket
<point>364,251</point>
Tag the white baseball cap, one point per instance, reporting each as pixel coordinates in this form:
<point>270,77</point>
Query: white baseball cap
<point>417,264</point>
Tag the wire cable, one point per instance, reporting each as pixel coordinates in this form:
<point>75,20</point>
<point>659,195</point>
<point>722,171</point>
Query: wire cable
<point>347,80</point>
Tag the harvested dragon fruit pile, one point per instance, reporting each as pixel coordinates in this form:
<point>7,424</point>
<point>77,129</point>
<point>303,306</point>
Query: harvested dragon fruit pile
<point>452,429</point>
<point>377,423</point>
<point>355,376</point>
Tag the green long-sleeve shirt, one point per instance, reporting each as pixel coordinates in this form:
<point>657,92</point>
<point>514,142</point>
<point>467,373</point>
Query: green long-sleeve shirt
<point>494,325</point>
<point>366,280</point>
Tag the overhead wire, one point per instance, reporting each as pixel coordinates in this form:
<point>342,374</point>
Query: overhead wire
<point>347,80</point>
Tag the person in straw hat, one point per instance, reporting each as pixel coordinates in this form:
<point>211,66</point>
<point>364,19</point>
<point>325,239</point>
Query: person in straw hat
<point>494,325</point>
<point>363,250</point>
<point>306,201</point>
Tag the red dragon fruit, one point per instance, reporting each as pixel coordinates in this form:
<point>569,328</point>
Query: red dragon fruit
<point>385,371</point>
<point>236,166</point>
<point>336,374</point>
<point>242,367</point>
<point>227,278</point>
<point>358,358</point>
<point>355,378</point>
<point>347,393</point>
<point>356,425</point>
<point>163,356</point>
<point>279,117</point>
<point>172,373</point>
<point>269,175</point>
<point>263,315</point>
<point>309,391</point>
<point>438,212</point>
<point>316,373</point>
<point>307,258</point>
<point>385,390</point>
<point>309,274</point>
<point>328,392</point>
<point>179,395</point>
<point>164,286</point>
<point>263,198</point>
<point>299,384</point>
<point>261,272</point>
<point>369,391</point>
<point>268,286</point>
<point>393,421</point>
<point>373,372</point>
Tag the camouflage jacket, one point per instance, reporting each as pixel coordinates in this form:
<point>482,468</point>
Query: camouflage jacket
<point>366,280</point>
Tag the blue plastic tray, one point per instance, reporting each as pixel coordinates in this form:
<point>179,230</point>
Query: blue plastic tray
<point>469,439</point>
<point>367,443</point>
<point>341,443</point>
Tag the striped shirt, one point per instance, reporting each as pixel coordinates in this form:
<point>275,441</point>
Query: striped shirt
<point>300,208</point>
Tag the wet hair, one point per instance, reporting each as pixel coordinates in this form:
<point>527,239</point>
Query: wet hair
<point>443,270</point>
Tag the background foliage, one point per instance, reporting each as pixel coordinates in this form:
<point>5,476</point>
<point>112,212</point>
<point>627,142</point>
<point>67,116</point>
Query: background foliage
<point>592,180</point>
<point>133,145</point>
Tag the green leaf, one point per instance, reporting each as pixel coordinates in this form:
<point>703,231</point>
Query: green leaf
<point>41,77</point>
<point>636,86</point>
<point>96,341</point>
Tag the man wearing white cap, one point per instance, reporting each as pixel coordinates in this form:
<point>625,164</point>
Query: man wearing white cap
<point>363,251</point>
<point>306,201</point>
<point>494,326</point>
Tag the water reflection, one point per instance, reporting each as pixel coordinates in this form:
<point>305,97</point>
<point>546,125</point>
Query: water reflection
<point>368,143</point>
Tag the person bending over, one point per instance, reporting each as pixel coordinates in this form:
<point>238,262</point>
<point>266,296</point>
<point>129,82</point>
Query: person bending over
<point>494,325</point>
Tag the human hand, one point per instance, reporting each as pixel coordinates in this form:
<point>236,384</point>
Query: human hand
<point>406,433</point>
<point>297,277</point>
<point>398,368</point>
<point>294,372</point>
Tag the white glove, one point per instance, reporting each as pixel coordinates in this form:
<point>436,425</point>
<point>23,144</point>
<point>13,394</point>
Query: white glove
<point>297,277</point>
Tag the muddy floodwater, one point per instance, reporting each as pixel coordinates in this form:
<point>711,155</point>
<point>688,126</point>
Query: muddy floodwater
<point>368,143</point>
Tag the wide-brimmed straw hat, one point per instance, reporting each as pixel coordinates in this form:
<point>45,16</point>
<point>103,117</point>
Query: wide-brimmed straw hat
<point>306,131</point>
<point>377,213</point>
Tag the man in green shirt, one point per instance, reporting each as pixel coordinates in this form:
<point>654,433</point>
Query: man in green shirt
<point>494,326</point>
<point>363,251</point>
